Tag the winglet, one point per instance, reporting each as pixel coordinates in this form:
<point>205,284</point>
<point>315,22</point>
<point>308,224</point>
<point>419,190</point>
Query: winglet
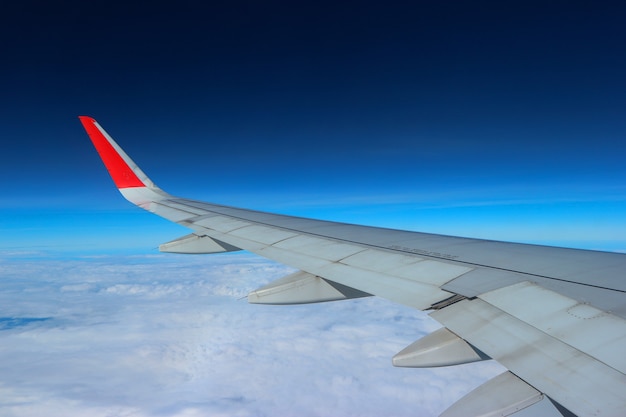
<point>125,173</point>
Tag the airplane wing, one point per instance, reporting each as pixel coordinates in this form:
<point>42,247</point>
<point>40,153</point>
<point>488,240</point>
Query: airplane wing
<point>554,317</point>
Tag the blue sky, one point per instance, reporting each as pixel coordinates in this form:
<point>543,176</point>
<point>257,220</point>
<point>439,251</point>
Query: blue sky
<point>486,119</point>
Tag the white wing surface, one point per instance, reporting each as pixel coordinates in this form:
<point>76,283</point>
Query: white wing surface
<point>555,317</point>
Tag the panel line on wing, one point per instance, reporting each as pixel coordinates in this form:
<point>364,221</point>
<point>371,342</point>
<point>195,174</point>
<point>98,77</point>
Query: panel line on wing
<point>586,328</point>
<point>397,249</point>
<point>443,258</point>
<point>544,361</point>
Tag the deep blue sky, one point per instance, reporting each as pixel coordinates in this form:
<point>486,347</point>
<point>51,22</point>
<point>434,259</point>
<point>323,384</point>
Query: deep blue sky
<point>503,120</point>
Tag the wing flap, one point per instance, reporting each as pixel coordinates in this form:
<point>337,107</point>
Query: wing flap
<point>584,327</point>
<point>408,292</point>
<point>543,361</point>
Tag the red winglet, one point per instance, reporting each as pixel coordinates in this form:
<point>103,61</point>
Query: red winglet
<point>122,174</point>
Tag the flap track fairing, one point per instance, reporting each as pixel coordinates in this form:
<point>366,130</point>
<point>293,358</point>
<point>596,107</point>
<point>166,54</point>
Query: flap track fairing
<point>440,348</point>
<point>196,244</point>
<point>302,288</point>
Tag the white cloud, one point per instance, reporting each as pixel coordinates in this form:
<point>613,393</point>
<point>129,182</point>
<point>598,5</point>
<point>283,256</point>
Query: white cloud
<point>168,336</point>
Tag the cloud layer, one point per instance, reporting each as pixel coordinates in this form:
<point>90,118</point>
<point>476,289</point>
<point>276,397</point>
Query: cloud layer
<point>168,335</point>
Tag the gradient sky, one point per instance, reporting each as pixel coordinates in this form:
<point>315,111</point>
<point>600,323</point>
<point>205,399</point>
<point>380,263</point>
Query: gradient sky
<point>502,120</point>
<point>499,120</point>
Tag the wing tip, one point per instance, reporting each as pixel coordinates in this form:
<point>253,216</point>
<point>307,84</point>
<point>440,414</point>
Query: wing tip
<point>123,171</point>
<point>86,119</point>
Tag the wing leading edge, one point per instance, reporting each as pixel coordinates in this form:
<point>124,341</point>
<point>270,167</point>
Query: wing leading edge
<point>554,317</point>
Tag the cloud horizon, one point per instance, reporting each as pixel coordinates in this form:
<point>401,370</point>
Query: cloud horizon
<point>168,335</point>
